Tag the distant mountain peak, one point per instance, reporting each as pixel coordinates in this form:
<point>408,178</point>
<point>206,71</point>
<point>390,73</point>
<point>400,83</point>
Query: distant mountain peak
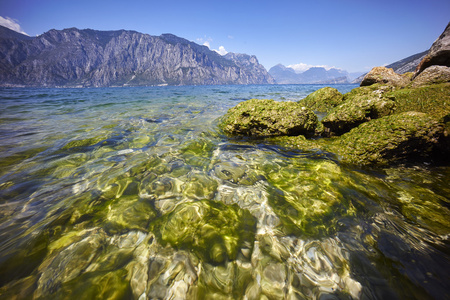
<point>314,74</point>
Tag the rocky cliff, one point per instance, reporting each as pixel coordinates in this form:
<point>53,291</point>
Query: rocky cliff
<point>90,58</point>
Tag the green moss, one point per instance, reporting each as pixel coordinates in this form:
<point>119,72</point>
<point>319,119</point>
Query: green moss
<point>268,118</point>
<point>360,105</point>
<point>390,139</point>
<point>433,100</point>
<point>323,100</point>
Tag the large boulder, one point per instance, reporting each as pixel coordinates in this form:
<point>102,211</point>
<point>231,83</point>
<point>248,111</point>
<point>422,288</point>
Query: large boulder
<point>384,75</point>
<point>432,75</point>
<point>439,53</point>
<point>360,105</point>
<point>409,135</point>
<point>268,118</point>
<point>323,100</point>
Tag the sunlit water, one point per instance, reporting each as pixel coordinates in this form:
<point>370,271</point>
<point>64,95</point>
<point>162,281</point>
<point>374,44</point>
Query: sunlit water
<point>134,193</point>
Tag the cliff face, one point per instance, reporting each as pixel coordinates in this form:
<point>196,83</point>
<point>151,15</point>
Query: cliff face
<point>90,58</point>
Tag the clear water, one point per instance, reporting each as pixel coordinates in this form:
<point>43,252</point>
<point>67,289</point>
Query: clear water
<point>134,193</point>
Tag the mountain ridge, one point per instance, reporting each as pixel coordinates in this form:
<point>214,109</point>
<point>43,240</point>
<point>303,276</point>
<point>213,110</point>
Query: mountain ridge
<point>313,75</point>
<point>91,58</point>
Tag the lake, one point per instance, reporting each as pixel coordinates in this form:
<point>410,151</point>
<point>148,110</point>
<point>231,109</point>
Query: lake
<point>135,193</point>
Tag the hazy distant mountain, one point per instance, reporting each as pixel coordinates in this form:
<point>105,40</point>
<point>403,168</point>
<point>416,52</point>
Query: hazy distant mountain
<point>402,66</point>
<point>91,58</point>
<point>285,75</point>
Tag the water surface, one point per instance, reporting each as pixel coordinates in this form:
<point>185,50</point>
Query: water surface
<point>134,193</point>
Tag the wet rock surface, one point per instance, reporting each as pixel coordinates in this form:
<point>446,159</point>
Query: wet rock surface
<point>269,118</point>
<point>323,100</point>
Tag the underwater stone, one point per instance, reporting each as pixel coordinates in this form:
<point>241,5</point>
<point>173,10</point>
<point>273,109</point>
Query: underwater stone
<point>268,118</point>
<point>213,230</point>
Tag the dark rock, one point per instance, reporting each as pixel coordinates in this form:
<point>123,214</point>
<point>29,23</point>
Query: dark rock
<point>384,75</point>
<point>268,118</point>
<point>439,53</point>
<point>432,75</point>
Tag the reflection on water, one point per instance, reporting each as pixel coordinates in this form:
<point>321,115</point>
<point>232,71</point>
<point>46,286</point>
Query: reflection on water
<point>134,194</point>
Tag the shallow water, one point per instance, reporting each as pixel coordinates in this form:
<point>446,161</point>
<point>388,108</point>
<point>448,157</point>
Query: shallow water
<point>134,193</point>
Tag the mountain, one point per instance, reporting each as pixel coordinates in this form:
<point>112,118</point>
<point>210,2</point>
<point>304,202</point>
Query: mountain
<point>91,58</point>
<point>402,66</point>
<point>285,75</point>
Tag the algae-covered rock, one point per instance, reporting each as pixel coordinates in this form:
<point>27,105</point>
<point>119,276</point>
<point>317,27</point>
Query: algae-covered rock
<point>360,105</point>
<point>384,75</point>
<point>268,118</point>
<point>390,139</point>
<point>432,75</point>
<point>431,99</point>
<point>323,100</point>
<point>213,230</point>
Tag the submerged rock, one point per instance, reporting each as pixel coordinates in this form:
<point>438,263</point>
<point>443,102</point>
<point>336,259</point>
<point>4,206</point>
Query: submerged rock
<point>385,76</point>
<point>391,139</point>
<point>323,100</point>
<point>268,118</point>
<point>360,105</point>
<point>213,230</point>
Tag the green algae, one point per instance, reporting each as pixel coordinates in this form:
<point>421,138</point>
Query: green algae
<point>307,198</point>
<point>360,105</point>
<point>323,100</point>
<point>268,118</point>
<point>213,230</point>
<point>433,99</point>
<point>390,139</point>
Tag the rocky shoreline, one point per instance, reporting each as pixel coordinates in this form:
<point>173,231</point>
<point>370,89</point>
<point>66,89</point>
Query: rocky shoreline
<point>390,118</point>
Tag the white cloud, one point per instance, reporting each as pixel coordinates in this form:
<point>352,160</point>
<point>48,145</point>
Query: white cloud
<point>11,24</point>
<point>221,50</point>
<point>230,37</point>
<point>207,44</point>
<point>301,67</point>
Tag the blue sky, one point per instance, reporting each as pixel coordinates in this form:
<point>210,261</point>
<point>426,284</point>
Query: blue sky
<point>354,35</point>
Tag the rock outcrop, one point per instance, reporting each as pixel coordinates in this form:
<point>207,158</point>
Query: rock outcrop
<point>439,53</point>
<point>432,75</point>
<point>323,100</point>
<point>374,125</point>
<point>360,105</point>
<point>90,58</point>
<point>261,118</point>
<point>385,76</point>
<point>409,135</point>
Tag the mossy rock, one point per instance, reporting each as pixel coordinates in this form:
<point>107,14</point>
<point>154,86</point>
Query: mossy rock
<point>262,118</point>
<point>432,99</point>
<point>409,135</point>
<point>360,105</point>
<point>323,100</point>
<point>213,230</point>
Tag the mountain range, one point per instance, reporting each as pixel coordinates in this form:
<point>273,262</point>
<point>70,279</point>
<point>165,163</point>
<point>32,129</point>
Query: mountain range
<point>91,58</point>
<point>318,75</point>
